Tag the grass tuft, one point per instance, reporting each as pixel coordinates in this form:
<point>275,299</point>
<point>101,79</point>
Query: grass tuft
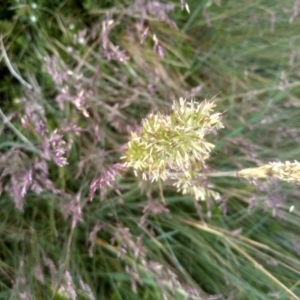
<point>77,79</point>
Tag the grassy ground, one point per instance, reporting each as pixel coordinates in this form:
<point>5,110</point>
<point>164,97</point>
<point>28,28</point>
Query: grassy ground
<point>68,66</point>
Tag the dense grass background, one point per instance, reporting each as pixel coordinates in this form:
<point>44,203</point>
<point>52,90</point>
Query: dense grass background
<point>245,247</point>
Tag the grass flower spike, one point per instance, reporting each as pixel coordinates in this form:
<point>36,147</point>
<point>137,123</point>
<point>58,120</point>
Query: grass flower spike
<point>286,171</point>
<point>174,146</point>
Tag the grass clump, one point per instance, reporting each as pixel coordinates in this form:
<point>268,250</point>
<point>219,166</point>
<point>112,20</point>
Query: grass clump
<point>77,79</point>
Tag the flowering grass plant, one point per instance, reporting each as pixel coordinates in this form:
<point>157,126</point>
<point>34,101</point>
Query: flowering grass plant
<point>102,167</point>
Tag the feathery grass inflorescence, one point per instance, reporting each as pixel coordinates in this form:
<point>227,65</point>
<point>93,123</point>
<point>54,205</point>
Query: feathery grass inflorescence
<point>175,146</point>
<point>286,171</point>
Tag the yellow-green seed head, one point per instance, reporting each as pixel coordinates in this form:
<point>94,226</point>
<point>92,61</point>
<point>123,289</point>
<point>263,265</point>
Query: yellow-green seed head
<point>286,171</point>
<point>173,143</point>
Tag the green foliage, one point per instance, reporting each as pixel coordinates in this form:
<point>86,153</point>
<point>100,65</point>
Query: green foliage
<point>245,52</point>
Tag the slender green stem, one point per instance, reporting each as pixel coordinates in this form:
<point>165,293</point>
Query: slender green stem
<point>221,174</point>
<point>10,67</point>
<point>213,174</point>
<point>15,130</point>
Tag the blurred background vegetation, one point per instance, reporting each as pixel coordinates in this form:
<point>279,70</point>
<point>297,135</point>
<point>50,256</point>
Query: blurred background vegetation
<point>76,78</point>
